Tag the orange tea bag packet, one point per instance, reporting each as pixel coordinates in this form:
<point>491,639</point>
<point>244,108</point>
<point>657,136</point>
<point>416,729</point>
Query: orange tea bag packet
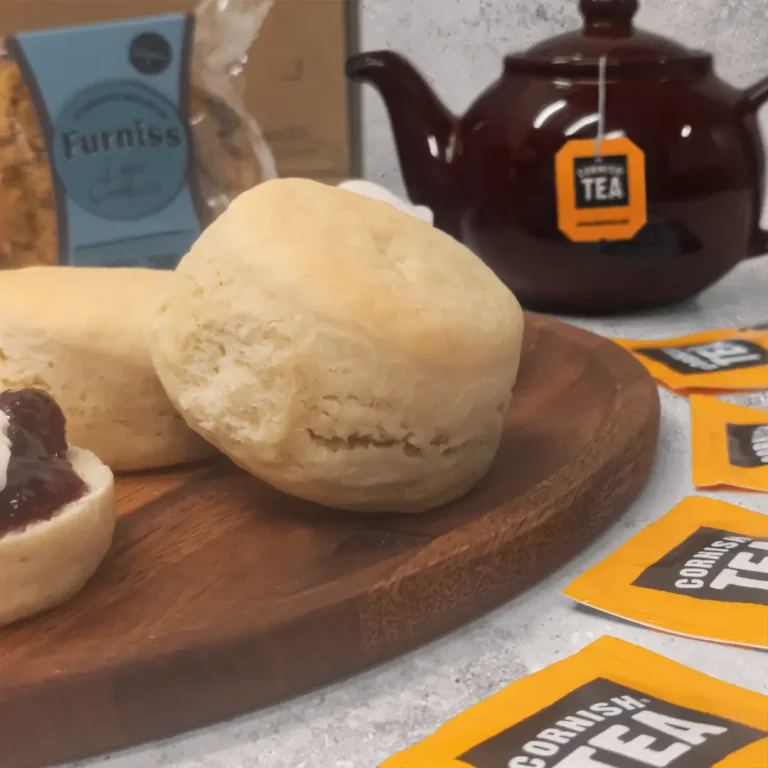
<point>729,359</point>
<point>729,445</point>
<point>701,570</point>
<point>612,705</point>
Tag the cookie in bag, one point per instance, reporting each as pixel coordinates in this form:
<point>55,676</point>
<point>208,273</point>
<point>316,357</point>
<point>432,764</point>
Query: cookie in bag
<point>119,142</point>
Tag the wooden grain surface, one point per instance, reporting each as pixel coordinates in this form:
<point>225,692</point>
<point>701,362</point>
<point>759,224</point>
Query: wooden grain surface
<point>221,595</point>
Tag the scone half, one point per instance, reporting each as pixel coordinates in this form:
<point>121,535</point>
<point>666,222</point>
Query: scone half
<point>49,561</point>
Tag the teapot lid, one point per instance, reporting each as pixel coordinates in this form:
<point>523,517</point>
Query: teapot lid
<point>608,31</point>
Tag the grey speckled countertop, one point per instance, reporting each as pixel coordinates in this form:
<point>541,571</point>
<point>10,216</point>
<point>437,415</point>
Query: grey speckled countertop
<point>359,722</point>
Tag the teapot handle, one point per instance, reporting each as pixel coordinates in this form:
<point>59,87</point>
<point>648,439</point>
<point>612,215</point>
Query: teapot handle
<point>754,98</point>
<point>759,244</point>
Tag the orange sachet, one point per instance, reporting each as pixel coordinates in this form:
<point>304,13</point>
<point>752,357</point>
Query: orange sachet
<point>701,570</point>
<point>729,445</point>
<point>612,705</point>
<point>730,359</point>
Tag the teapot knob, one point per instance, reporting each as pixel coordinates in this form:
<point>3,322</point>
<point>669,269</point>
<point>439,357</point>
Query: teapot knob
<point>610,13</point>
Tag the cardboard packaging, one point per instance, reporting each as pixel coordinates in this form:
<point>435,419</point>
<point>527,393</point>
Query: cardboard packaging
<point>294,79</point>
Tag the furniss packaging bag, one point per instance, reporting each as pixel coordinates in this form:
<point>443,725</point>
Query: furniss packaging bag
<point>729,359</point>
<point>701,570</point>
<point>729,445</point>
<point>120,142</point>
<point>612,705</point>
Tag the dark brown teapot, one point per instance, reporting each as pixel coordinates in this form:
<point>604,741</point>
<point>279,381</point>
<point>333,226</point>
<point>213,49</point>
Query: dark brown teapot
<point>608,170</point>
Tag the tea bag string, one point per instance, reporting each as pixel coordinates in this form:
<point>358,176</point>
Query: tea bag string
<point>600,106</point>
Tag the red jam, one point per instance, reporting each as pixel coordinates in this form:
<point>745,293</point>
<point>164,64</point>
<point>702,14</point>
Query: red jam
<point>40,479</point>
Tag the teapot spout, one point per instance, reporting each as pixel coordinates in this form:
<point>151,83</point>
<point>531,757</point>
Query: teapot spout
<point>423,127</point>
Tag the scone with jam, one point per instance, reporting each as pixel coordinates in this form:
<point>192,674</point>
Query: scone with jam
<point>57,513</point>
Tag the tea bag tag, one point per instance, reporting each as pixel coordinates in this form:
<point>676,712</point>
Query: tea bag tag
<point>600,182</point>
<point>600,108</point>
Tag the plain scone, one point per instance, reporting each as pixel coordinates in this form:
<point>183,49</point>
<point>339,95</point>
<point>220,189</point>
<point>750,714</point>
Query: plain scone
<point>341,350</point>
<point>82,335</point>
<point>51,560</point>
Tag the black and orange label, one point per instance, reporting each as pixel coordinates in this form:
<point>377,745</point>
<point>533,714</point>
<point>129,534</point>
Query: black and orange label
<point>701,570</point>
<point>728,359</point>
<point>729,445</point>
<point>601,197</point>
<point>612,705</point>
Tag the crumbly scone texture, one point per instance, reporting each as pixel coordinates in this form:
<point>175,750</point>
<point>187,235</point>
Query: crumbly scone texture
<point>82,334</point>
<point>340,349</point>
<point>50,561</point>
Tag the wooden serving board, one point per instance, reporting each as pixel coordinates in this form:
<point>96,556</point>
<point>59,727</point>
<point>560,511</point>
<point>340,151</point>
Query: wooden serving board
<point>221,595</point>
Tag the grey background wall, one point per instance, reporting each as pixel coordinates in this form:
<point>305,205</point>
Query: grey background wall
<point>459,44</point>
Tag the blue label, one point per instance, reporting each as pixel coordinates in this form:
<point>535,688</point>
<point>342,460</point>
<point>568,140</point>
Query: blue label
<point>121,151</point>
<point>112,102</point>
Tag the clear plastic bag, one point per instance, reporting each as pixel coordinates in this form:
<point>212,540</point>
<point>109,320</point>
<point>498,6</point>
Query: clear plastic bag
<point>231,154</point>
<point>225,31</point>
